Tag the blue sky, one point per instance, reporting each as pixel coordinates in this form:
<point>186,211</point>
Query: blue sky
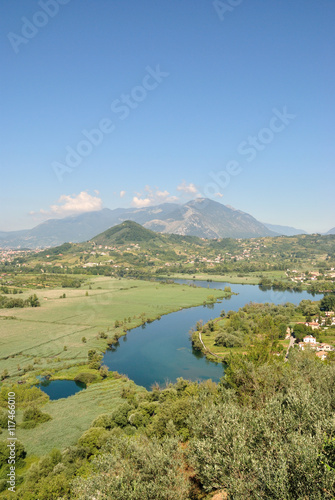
<point>233,100</point>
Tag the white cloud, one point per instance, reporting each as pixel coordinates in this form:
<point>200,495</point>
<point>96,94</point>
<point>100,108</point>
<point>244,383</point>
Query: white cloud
<point>122,193</point>
<point>218,195</point>
<point>141,202</point>
<point>164,196</point>
<point>153,197</point>
<point>73,205</point>
<point>187,188</point>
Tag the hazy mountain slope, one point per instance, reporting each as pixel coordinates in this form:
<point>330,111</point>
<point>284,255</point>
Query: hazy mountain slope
<point>284,230</point>
<point>331,231</point>
<point>79,228</point>
<point>56,231</point>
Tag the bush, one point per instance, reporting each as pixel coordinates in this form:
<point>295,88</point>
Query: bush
<point>24,394</point>
<point>93,439</point>
<point>138,419</point>
<point>20,452</point>
<point>105,420</point>
<point>120,415</point>
<point>229,339</point>
<point>103,371</point>
<point>136,468</point>
<point>275,439</point>
<point>94,359</point>
<point>33,416</point>
<point>3,420</point>
<point>86,378</point>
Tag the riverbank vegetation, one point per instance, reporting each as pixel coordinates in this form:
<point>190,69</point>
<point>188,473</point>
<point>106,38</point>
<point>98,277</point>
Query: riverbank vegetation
<point>265,431</point>
<point>262,327</point>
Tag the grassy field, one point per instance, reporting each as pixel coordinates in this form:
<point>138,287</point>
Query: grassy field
<point>72,416</point>
<point>51,335</point>
<point>250,279</point>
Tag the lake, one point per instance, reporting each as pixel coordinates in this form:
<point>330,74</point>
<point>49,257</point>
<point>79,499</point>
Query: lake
<point>162,351</point>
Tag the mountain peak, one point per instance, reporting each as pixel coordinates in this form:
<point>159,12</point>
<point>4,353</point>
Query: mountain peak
<point>127,231</point>
<point>201,217</point>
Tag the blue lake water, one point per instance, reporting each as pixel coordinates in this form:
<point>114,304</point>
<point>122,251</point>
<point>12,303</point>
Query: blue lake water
<point>57,389</point>
<point>162,351</point>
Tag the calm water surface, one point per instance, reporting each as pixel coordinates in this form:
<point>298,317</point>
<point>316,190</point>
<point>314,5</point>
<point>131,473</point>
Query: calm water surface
<point>162,351</point>
<point>57,389</point>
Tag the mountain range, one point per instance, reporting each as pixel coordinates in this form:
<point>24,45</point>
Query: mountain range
<point>200,217</point>
<point>284,230</point>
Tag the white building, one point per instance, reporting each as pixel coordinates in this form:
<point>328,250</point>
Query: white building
<point>309,339</point>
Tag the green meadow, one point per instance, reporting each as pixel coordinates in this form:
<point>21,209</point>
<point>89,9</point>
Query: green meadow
<point>62,330</point>
<point>72,416</point>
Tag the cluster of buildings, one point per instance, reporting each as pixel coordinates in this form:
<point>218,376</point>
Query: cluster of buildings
<point>10,255</point>
<point>322,349</point>
<point>300,277</point>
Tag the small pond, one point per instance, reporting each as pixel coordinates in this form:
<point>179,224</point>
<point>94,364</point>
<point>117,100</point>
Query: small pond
<point>57,389</point>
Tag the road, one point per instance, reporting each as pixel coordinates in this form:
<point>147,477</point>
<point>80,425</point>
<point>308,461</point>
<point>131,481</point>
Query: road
<point>292,340</point>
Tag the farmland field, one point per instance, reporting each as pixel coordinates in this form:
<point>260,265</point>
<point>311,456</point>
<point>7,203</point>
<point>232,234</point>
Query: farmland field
<point>51,335</point>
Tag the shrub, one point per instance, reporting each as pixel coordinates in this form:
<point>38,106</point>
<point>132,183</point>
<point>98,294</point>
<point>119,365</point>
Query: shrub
<point>86,378</point>
<point>105,420</point>
<point>120,415</point>
<point>229,339</point>
<point>20,452</point>
<point>103,371</point>
<point>33,416</point>
<point>136,468</point>
<point>93,439</point>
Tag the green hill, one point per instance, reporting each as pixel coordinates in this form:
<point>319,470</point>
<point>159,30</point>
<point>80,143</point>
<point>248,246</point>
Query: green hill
<point>127,232</point>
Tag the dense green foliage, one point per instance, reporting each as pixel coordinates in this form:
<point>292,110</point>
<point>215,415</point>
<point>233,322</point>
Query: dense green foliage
<point>136,469</point>
<point>266,431</point>
<point>254,321</point>
<point>33,416</point>
<point>272,436</point>
<point>24,395</point>
<point>9,303</point>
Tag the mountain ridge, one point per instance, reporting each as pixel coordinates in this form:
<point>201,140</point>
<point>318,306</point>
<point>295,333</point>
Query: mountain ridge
<point>284,230</point>
<point>200,217</point>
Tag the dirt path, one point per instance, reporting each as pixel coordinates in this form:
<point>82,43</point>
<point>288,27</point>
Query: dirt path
<point>205,348</point>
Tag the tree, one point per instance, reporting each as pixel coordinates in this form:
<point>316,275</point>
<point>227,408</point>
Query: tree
<point>33,301</point>
<point>327,303</point>
<point>135,469</point>
<point>300,331</point>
